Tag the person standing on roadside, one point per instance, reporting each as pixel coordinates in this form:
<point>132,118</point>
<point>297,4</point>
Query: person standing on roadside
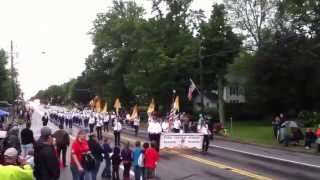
<point>45,158</point>
<point>62,143</point>
<point>137,152</point>
<point>97,152</point>
<point>276,126</point>
<point>78,149</point>
<point>13,168</point>
<point>282,118</point>
<point>45,119</point>
<point>106,151</point>
<point>151,157</point>
<point>12,138</point>
<point>145,147</point>
<point>116,161</point>
<point>318,138</point>
<point>126,155</point>
<point>27,140</point>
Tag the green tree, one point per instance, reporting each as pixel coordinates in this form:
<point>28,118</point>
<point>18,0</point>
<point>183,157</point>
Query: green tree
<point>254,17</point>
<point>220,45</point>
<point>3,75</point>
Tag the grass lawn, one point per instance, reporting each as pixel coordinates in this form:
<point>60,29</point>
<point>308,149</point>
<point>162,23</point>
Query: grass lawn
<point>252,131</point>
<point>261,132</point>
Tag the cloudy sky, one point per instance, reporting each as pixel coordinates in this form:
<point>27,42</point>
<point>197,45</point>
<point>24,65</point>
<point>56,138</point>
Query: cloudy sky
<point>50,37</point>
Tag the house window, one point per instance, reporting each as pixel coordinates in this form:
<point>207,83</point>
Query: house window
<point>234,90</point>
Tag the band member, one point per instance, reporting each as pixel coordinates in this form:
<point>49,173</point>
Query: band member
<point>176,124</point>
<point>136,124</point>
<point>106,119</point>
<point>165,126</point>
<point>99,125</point>
<point>116,131</point>
<point>66,119</point>
<point>204,129</point>
<point>86,120</point>
<point>151,127</point>
<point>157,133</point>
<point>92,121</point>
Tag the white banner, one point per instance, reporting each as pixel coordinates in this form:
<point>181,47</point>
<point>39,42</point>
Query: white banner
<point>181,141</point>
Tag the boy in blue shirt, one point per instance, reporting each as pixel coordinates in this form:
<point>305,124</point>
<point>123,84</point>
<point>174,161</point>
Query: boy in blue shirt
<point>137,151</point>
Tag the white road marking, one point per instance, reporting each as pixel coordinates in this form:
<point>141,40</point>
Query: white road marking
<point>267,157</point>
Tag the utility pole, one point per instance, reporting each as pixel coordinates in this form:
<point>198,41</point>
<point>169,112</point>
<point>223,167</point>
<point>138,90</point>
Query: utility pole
<point>201,79</point>
<point>12,70</point>
<point>12,80</point>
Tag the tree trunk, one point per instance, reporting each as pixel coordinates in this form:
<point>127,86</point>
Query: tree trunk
<point>220,99</point>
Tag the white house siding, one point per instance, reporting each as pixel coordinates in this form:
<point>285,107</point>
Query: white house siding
<point>234,94</point>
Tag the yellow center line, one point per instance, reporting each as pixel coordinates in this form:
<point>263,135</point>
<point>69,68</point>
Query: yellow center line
<point>210,163</point>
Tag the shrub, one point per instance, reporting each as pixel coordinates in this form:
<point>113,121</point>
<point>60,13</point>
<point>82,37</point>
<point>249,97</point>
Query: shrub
<point>309,119</point>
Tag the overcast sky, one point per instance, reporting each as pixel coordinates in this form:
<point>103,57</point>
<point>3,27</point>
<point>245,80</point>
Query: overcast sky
<point>50,37</point>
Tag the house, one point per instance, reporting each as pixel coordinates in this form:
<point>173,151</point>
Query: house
<point>210,101</point>
<point>234,94</point>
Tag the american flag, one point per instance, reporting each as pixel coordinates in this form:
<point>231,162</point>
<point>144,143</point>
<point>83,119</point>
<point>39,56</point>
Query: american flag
<point>172,115</point>
<point>192,87</point>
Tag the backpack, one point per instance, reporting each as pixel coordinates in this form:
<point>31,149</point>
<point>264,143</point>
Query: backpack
<point>140,160</point>
<point>88,161</point>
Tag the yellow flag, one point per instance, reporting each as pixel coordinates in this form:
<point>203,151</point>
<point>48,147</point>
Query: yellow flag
<point>134,112</point>
<point>117,104</point>
<point>176,105</point>
<point>151,107</point>
<point>105,107</point>
<point>91,103</point>
<point>98,105</point>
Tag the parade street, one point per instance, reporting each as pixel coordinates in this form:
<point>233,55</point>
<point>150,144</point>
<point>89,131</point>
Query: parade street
<point>218,163</point>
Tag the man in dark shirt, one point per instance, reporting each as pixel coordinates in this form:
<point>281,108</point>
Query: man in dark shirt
<point>96,151</point>
<point>310,138</point>
<point>45,158</point>
<point>27,140</point>
<point>62,142</point>
<point>45,119</point>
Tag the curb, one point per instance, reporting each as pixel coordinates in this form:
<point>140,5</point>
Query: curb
<point>265,146</point>
<point>280,160</point>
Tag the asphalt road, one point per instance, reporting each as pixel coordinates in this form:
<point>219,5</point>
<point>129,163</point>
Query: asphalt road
<point>217,164</point>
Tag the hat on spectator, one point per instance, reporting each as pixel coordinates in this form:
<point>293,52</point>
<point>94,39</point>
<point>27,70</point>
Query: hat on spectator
<point>45,131</point>
<point>11,152</point>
